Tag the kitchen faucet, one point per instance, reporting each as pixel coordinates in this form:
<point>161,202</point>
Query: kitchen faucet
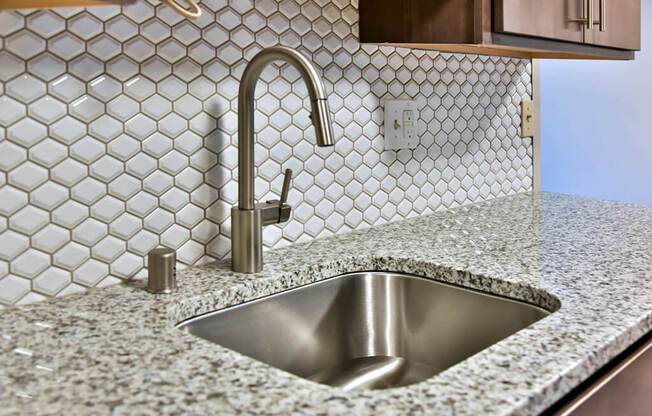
<point>248,218</point>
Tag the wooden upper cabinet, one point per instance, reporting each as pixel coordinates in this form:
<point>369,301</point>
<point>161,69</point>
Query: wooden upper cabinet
<point>621,27</point>
<point>551,19</point>
<point>519,28</point>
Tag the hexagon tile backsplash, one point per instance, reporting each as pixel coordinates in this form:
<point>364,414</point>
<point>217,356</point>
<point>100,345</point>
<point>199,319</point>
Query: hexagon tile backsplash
<point>118,133</point>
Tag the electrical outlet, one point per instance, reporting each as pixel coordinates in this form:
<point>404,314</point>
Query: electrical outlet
<point>527,118</point>
<point>400,124</point>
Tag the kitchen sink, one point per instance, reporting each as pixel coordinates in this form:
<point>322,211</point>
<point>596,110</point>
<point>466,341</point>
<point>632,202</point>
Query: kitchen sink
<point>366,330</point>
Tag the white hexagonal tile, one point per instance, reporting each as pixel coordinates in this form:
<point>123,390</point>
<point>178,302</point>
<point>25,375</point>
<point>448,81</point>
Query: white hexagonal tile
<point>142,204</point>
<point>138,48</point>
<point>123,148</point>
<point>68,130</point>
<point>26,88</point>
<point>190,252</point>
<point>143,242</point>
<point>50,238</point>
<point>204,196</point>
<point>156,68</point>
<point>29,220</point>
<point>66,46</point>
<point>30,264</point>
<point>139,11</point>
<point>105,128</point>
<point>27,176</point>
<point>70,214</point>
<point>189,179</point>
<point>86,108</point>
<point>156,106</point>
<point>173,162</point>
<point>91,272</point>
<point>85,26</point>
<point>205,231</point>
<point>51,281</point>
<point>157,145</point>
<point>69,172</point>
<point>124,187</point>
<point>48,153</point>
<point>158,183</point>
<point>46,66</point>
<point>86,67</point>
<point>122,67</point>
<point>189,216</point>
<point>11,155</point>
<point>172,87</point>
<point>127,265</point>
<point>175,236</point>
<point>12,244</point>
<point>173,125</point>
<point>25,44</point>
<point>10,66</point>
<point>155,30</point>
<point>104,88</point>
<point>88,191</point>
<point>121,28</point>
<point>220,247</point>
<point>141,165</point>
<point>174,199</point>
<point>171,50</point>
<point>47,110</point>
<point>45,23</point>
<point>48,196</point>
<point>87,150</point>
<point>106,168</point>
<point>89,232</point>
<point>12,288</point>
<point>71,256</point>
<point>10,21</point>
<point>158,221</point>
<point>201,52</point>
<point>104,47</point>
<point>67,88</point>
<point>107,209</point>
<point>108,249</point>
<point>125,226</point>
<point>12,110</point>
<point>26,132</point>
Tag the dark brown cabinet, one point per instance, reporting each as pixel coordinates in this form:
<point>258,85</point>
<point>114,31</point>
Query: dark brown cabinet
<point>521,28</point>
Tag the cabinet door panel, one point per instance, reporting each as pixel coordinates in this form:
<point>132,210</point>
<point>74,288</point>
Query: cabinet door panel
<point>552,19</point>
<point>622,24</point>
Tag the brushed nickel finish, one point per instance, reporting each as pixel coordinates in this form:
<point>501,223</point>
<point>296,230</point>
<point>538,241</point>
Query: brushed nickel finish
<point>246,238</point>
<point>366,330</point>
<point>161,270</point>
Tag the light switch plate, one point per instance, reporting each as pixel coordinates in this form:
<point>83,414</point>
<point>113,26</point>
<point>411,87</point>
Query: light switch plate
<point>400,124</point>
<point>527,118</point>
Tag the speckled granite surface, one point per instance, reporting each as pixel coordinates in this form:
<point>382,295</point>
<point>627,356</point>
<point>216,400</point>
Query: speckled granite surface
<point>116,351</point>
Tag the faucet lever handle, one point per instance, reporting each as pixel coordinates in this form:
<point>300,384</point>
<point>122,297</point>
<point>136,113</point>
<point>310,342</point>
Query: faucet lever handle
<point>286,185</point>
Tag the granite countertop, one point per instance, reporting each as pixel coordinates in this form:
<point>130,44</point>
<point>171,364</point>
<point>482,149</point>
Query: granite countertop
<point>116,350</point>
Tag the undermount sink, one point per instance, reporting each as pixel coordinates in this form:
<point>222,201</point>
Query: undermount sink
<point>370,330</point>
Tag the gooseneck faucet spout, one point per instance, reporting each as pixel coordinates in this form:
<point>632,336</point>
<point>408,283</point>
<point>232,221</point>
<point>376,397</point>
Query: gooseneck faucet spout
<point>248,218</point>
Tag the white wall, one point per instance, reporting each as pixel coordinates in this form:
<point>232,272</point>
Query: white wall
<point>596,125</point>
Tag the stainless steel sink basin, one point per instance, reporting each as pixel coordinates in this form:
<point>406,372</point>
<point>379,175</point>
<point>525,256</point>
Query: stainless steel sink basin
<point>370,330</point>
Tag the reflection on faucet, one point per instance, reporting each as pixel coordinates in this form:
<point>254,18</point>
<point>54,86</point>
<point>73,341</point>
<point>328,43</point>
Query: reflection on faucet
<point>248,218</point>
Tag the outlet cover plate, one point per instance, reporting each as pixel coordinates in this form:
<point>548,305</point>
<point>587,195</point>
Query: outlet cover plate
<point>400,124</point>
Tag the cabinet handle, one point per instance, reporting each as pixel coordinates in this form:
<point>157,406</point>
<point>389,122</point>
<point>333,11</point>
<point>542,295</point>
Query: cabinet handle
<point>588,18</point>
<point>603,15</point>
<point>589,14</point>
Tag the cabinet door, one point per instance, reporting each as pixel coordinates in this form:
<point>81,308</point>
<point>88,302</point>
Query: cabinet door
<point>622,24</point>
<point>552,19</point>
